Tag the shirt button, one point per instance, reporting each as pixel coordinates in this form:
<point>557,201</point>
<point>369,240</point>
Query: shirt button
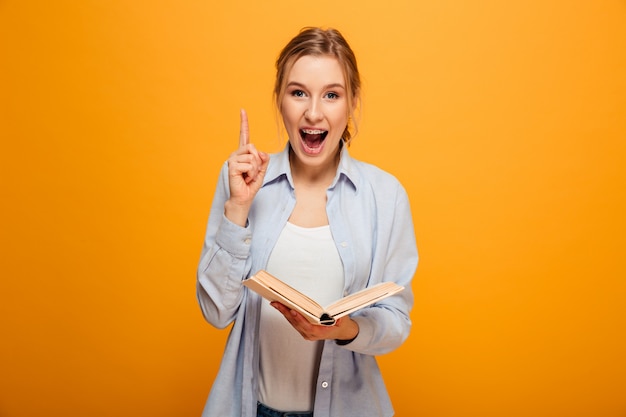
<point>344,244</point>
<point>324,384</point>
<point>247,241</point>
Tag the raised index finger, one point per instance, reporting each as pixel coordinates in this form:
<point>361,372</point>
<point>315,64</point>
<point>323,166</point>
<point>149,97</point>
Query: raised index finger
<point>244,131</point>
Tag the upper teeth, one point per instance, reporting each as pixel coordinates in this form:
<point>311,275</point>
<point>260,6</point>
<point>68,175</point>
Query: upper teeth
<point>313,131</point>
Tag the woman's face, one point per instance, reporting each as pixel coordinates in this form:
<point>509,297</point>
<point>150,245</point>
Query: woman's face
<point>315,110</point>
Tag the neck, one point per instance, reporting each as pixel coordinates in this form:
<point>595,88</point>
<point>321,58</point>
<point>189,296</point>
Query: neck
<point>316,175</point>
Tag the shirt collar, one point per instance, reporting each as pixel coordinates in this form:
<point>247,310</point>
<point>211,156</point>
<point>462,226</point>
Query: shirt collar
<point>279,167</point>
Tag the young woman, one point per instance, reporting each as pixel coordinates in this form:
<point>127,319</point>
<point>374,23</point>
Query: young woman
<point>326,224</point>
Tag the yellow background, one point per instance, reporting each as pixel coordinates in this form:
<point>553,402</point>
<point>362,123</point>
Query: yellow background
<point>506,121</point>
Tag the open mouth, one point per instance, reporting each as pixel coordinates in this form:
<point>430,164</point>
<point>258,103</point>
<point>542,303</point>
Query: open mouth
<point>313,138</point>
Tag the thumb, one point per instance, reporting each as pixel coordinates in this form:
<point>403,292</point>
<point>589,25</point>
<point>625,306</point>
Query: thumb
<point>265,160</point>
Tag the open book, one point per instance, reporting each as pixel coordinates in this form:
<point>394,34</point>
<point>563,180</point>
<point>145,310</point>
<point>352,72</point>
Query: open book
<point>273,289</point>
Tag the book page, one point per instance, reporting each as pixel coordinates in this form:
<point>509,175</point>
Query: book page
<point>287,294</point>
<point>363,298</point>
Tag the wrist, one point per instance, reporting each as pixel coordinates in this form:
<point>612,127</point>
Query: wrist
<point>236,213</point>
<point>343,342</point>
<point>350,335</point>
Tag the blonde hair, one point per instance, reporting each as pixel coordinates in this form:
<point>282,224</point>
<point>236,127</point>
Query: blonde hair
<point>318,42</point>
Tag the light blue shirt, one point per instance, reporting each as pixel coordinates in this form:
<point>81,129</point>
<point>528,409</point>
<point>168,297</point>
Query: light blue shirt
<point>371,224</point>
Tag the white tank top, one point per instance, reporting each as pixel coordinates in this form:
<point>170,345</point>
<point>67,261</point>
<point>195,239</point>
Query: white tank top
<point>306,259</point>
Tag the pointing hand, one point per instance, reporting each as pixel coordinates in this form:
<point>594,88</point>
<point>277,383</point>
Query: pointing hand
<point>246,170</point>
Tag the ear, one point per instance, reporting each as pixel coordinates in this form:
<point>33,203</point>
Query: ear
<point>356,99</point>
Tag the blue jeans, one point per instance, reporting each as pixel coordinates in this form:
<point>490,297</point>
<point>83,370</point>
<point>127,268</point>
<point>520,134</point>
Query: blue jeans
<point>264,411</point>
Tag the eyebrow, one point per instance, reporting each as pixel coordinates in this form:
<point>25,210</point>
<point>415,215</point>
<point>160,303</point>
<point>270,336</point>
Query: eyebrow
<point>326,87</point>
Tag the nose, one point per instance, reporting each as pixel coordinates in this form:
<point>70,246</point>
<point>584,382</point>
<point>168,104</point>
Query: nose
<point>313,112</point>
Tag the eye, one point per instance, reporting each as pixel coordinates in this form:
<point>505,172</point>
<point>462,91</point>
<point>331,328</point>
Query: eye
<point>297,93</point>
<point>332,96</point>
